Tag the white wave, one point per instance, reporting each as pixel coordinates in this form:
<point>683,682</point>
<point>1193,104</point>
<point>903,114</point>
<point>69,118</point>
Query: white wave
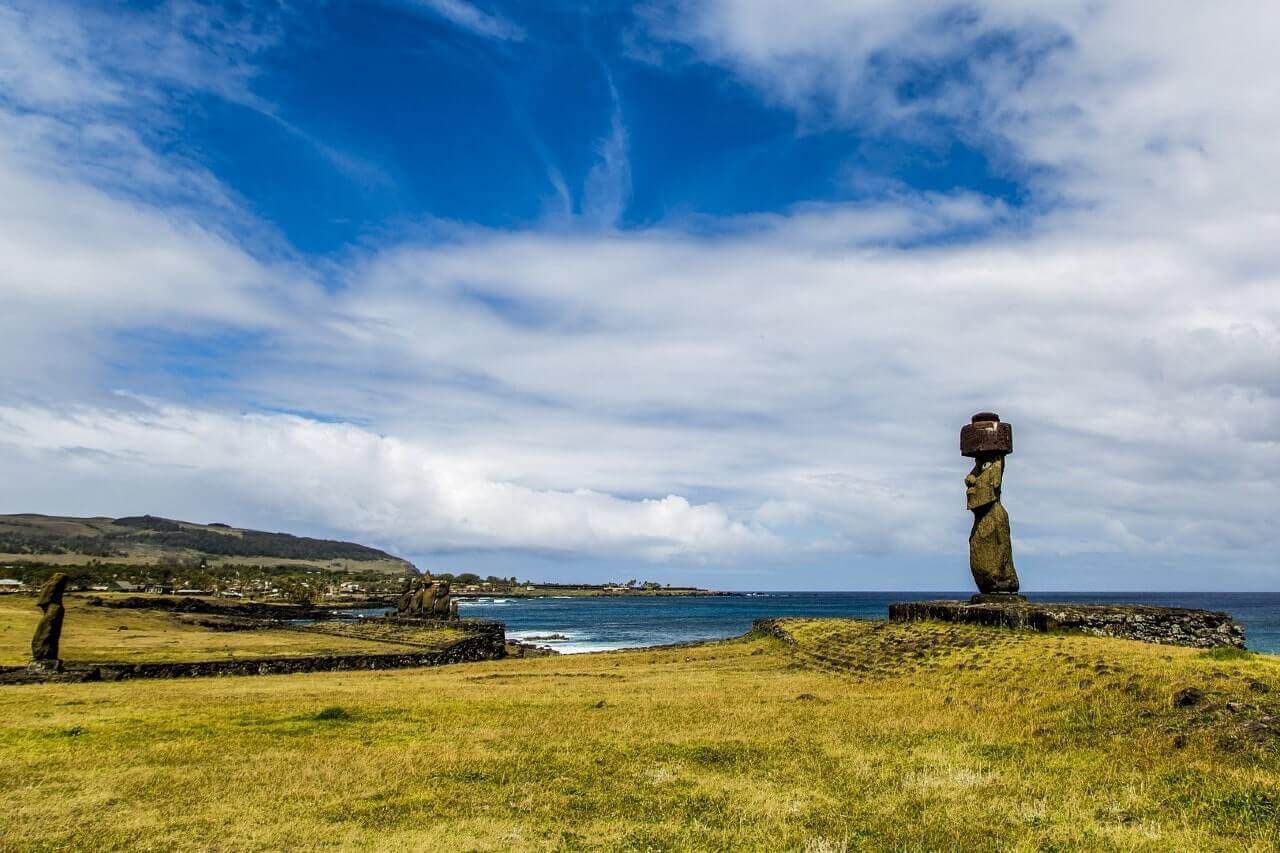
<point>525,634</point>
<point>584,648</point>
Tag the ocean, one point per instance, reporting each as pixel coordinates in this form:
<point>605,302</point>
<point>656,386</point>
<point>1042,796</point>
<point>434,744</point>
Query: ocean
<point>598,624</point>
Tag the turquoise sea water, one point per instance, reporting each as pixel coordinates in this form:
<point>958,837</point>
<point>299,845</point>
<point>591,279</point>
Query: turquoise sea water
<point>598,624</point>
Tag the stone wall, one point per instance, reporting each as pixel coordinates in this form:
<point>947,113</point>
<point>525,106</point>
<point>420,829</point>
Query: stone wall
<point>773,627</point>
<point>476,647</point>
<point>184,604</point>
<point>1168,625</point>
<point>484,641</point>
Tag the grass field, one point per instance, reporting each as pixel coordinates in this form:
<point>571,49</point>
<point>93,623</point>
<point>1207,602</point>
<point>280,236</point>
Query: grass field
<point>854,735</point>
<point>100,634</point>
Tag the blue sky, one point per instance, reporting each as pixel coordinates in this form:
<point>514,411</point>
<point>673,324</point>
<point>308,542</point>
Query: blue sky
<point>384,115</point>
<point>696,290</point>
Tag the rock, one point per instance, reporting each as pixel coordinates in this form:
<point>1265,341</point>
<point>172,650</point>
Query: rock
<point>527,650</point>
<point>997,598</point>
<point>1188,697</point>
<point>1176,626</point>
<point>44,667</point>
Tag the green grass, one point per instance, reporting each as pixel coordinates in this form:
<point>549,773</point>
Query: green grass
<point>101,634</point>
<point>858,736</point>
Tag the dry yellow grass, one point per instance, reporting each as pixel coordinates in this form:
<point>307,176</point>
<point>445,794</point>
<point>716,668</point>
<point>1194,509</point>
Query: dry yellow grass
<point>858,736</point>
<point>100,634</point>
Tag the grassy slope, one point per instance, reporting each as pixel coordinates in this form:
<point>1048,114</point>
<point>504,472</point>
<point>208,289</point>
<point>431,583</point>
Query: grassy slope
<point>93,634</point>
<point>985,740</point>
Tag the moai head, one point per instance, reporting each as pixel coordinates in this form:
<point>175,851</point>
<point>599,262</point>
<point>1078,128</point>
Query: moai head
<point>51,592</point>
<point>987,440</point>
<point>982,485</point>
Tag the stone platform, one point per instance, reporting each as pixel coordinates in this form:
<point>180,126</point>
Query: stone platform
<point>1175,626</point>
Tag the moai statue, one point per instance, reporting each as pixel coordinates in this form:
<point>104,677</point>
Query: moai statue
<point>430,599</point>
<point>406,596</point>
<point>415,601</point>
<point>44,643</point>
<point>453,609</point>
<point>441,609</point>
<point>988,440</point>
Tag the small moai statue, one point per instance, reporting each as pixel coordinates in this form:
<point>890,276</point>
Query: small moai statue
<point>453,609</point>
<point>429,599</point>
<point>441,609</point>
<point>416,596</point>
<point>44,643</point>
<point>406,597</point>
<point>988,440</point>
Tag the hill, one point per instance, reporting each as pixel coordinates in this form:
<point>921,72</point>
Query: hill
<point>148,540</point>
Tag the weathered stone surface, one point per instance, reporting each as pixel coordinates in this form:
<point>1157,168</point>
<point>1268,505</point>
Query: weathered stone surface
<point>190,604</point>
<point>424,598</point>
<point>990,543</point>
<point>1168,625</point>
<point>440,601</point>
<point>43,667</point>
<point>36,673</point>
<point>986,434</point>
<point>44,643</point>
<point>997,598</point>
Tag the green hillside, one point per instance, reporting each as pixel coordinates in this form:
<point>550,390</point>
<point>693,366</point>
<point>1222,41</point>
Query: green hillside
<point>148,540</point>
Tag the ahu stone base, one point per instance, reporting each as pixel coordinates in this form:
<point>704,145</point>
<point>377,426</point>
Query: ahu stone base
<point>1203,629</point>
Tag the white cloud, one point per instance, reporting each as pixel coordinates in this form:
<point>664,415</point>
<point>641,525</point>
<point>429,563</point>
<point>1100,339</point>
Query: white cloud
<point>472,18</point>
<point>362,484</point>
<point>607,188</point>
<point>799,378</point>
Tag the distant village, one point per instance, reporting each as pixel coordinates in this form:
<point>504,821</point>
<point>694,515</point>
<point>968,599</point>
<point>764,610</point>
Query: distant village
<point>289,583</point>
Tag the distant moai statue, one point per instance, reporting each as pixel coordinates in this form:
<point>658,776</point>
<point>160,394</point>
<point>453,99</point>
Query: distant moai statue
<point>44,643</point>
<point>440,608</point>
<point>988,440</point>
<point>425,598</point>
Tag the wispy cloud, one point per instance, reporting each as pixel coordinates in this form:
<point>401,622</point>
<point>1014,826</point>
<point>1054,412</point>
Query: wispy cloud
<point>607,188</point>
<point>471,18</point>
<point>792,380</point>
